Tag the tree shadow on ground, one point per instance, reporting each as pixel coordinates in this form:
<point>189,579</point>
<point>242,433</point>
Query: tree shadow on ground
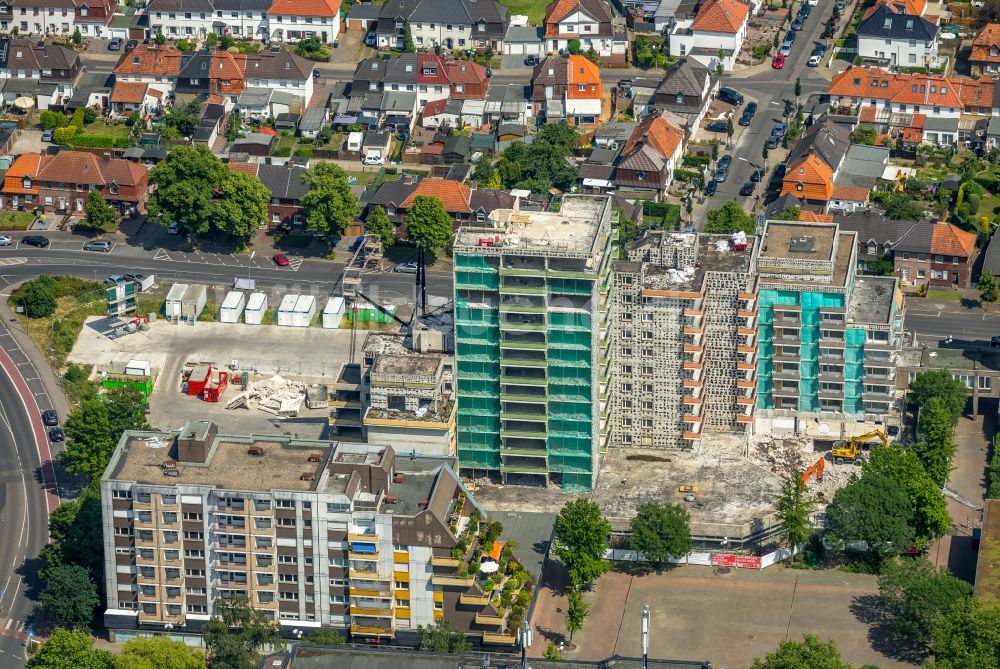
<point>882,636</point>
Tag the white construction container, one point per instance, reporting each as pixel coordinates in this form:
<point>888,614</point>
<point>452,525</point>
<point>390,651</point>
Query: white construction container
<point>286,309</point>
<point>193,302</point>
<point>138,368</point>
<point>175,298</point>
<point>232,307</point>
<point>256,307</point>
<point>333,313</point>
<point>305,309</point>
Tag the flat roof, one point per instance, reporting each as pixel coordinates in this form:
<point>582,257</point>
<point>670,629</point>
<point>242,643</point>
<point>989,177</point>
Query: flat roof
<point>288,302</point>
<point>872,299</point>
<point>256,300</point>
<point>572,231</point>
<point>950,358</point>
<point>233,299</point>
<point>415,364</point>
<point>229,465</point>
<point>779,236</point>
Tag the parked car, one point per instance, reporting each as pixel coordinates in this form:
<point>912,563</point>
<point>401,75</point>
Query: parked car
<point>373,160</point>
<point>785,50</point>
<point>726,160</point>
<point>995,341</point>
<point>50,417</point>
<point>489,73</point>
<point>5,240</point>
<point>717,126</point>
<point>778,62</point>
<point>748,113</point>
<point>531,60</point>
<point>129,276</point>
<point>315,73</point>
<point>370,39</point>
<point>814,60</point>
<point>36,240</point>
<point>730,95</point>
<point>773,141</point>
<point>755,176</point>
<point>131,44</point>
<point>841,6</point>
<point>813,3</point>
<point>48,135</point>
<point>56,435</point>
<point>721,173</point>
<point>779,129</point>
<point>804,11</point>
<point>280,259</point>
<point>174,228</point>
<point>747,188</point>
<point>406,267</point>
<point>798,22</point>
<point>115,280</point>
<point>102,245</point>
<point>710,188</point>
<point>115,44</point>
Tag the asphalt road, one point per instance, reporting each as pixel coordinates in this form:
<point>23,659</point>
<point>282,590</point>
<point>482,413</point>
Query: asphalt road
<point>965,325</point>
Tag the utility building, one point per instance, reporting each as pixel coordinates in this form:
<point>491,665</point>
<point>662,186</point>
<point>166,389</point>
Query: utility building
<point>532,343</point>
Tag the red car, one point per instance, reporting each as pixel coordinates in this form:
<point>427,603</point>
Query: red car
<point>280,259</point>
<point>778,62</point>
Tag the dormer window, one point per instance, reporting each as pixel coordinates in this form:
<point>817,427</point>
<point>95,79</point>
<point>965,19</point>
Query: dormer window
<point>640,175</point>
<point>680,97</point>
<point>26,182</point>
<point>944,89</point>
<point>113,189</point>
<point>482,27</point>
<point>887,24</point>
<point>135,60</point>
<point>909,24</point>
<point>798,187</point>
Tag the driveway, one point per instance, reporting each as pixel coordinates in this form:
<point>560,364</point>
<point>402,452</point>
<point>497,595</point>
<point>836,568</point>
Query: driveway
<point>514,62</point>
<point>30,141</point>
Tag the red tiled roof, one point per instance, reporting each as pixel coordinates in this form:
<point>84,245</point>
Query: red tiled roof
<point>25,165</point>
<point>129,92</point>
<point>582,71</point>
<point>328,8</point>
<point>435,107</point>
<point>949,240</point>
<point>150,59</point>
<point>440,76</point>
<point>465,72</point>
<point>852,193</point>
<point>976,93</point>
<point>809,178</point>
<point>912,136</point>
<point>918,89</point>
<point>453,195</point>
<point>246,168</point>
<point>986,42</point>
<point>868,114</point>
<point>807,216</point>
<point>918,121</point>
<point>721,16</point>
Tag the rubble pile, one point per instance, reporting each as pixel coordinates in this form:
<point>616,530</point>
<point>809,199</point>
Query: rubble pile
<point>275,395</point>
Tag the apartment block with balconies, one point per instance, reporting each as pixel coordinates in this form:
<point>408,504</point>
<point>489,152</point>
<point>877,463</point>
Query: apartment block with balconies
<point>312,533</point>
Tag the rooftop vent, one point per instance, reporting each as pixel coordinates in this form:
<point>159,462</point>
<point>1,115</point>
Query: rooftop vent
<point>391,499</point>
<point>171,472</point>
<point>314,457</point>
<point>803,244</point>
<point>307,476</point>
<point>255,451</point>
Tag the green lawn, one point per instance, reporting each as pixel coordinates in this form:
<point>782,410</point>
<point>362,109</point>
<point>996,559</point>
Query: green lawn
<point>16,220</point>
<point>534,9</point>
<point>989,206</point>
<point>284,146</point>
<point>99,127</point>
<point>950,295</point>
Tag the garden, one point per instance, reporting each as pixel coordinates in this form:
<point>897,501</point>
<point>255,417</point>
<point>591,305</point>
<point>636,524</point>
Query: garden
<point>85,128</point>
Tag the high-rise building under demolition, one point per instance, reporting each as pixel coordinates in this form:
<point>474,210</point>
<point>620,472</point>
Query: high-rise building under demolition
<point>532,346</point>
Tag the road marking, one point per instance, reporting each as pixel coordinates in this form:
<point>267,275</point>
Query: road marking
<point>19,260</point>
<point>161,254</point>
<point>294,265</point>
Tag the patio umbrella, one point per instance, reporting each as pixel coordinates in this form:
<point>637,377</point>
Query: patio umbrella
<point>24,103</point>
<point>489,567</point>
<point>267,131</point>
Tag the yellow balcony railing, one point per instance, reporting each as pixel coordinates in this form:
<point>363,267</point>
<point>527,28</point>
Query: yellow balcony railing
<point>486,619</point>
<point>499,639</point>
<point>437,579</point>
<point>445,562</point>
<point>372,631</point>
<point>473,600</point>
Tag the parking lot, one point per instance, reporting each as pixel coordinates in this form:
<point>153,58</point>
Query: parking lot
<point>312,355</point>
<point>728,619</point>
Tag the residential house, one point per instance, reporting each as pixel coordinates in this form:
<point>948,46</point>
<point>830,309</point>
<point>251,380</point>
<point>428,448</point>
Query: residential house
<point>457,149</point>
<point>294,20</point>
<point>567,88</point>
<point>229,74</point>
<point>61,182</point>
<point>253,144</point>
<point>426,75</point>
<point>313,121</point>
<point>129,96</point>
<point>647,162</point>
<point>985,56</point>
<point>151,64</point>
<point>810,179</point>
<point>287,190</point>
<point>182,18</point>
<point>588,21</point>
<point>934,97</point>
<point>390,28</point>
<point>390,197</point>
<point>466,80</point>
<point>56,17</point>
<point>27,59</point>
<point>454,197</point>
<point>524,41</point>
<point>944,259</point>
<point>459,24</point>
<point>890,36</point>
<point>377,144</point>
<point>686,89</point>
<point>879,236</point>
<point>362,16</point>
<point>715,35</point>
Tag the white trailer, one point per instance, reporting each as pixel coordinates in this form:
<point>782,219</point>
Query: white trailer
<point>333,313</point>
<point>232,307</point>
<point>305,309</point>
<point>193,302</point>
<point>175,298</point>
<point>286,309</point>
<point>256,308</point>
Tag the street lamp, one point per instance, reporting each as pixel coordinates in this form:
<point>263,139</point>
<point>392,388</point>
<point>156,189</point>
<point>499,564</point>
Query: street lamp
<point>525,639</point>
<point>297,633</point>
<point>645,636</point>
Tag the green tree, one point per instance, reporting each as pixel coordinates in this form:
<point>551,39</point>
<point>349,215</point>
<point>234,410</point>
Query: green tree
<point>899,207</point>
<point>330,205</point>
<point>36,298</point>
<point>378,224</point>
<point>935,440</point>
<point>661,532</point>
<point>542,164</point>
<point>581,536</point>
<point>127,410</point>
<point>764,153</point>
<point>939,383</point>
<point>484,170</point>
<point>242,205</point>
<point>75,528</point>
<point>226,42</point>
<point>77,37</point>
<point>408,46</point>
<point>90,441</point>
<point>158,652</point>
<point>730,129</point>
<point>577,610</point>
<point>324,636</point>
<point>794,509</point>
<point>810,653</point>
<point>790,214</point>
<point>160,39</point>
<point>915,593</point>
<point>211,41</point>
<point>70,596</point>
<point>552,651</point>
<point>235,635</point>
<point>428,225</point>
<point>729,218</point>
<point>573,46</point>
<point>987,285</point>
<point>930,509</point>
<point>98,213</point>
<point>185,185</point>
<point>70,649</point>
<point>50,120</point>
<point>798,88</point>
<point>184,119</point>
<point>873,509</point>
<point>442,638</point>
<point>881,267</point>
<point>865,133</point>
<point>966,637</point>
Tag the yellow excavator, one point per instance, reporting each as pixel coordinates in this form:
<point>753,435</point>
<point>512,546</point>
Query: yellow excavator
<point>851,451</point>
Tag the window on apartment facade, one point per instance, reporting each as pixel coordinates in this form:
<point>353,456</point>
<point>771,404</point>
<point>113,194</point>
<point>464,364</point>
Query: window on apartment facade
<point>985,383</point>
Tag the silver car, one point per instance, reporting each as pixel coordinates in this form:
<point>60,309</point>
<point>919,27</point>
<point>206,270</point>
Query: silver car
<point>406,267</point>
<point>5,240</point>
<point>102,245</point>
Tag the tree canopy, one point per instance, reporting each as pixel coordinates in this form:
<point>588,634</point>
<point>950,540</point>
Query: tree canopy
<point>543,164</point>
<point>235,635</point>
<point>75,527</point>
<point>378,224</point>
<point>330,205</point>
<point>939,383</point>
<point>96,425</point>
<point>794,508</point>
<point>935,440</point>
<point>966,637</point>
<point>790,214</point>
<point>442,638</point>
<point>158,653</point>
<point>242,205</point>
<point>577,610</point>
<point>428,225</point>
<point>98,213</point>
<point>70,596</point>
<point>930,510</point>
<point>65,649</point>
<point>729,218</point>
<point>186,181</point>
<point>915,593</point>
<point>581,540</point>
<point>661,532</point>
<point>874,509</point>
<point>37,299</point>
<point>810,653</point>
<point>900,207</point>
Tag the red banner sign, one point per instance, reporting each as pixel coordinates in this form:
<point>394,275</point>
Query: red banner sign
<point>730,560</point>
<point>723,560</point>
<point>748,562</point>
